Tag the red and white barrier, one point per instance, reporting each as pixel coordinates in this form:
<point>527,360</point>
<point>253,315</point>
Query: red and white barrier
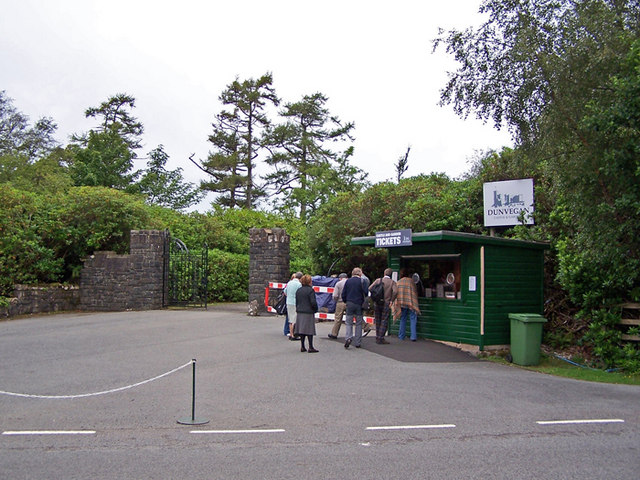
<point>319,315</point>
<point>323,289</point>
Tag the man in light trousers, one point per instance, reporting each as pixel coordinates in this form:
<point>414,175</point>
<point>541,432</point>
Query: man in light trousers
<point>340,305</point>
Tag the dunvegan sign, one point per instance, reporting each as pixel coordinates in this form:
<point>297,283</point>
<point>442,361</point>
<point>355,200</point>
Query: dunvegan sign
<point>508,203</point>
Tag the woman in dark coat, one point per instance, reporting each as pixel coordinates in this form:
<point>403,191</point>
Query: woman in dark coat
<point>306,307</point>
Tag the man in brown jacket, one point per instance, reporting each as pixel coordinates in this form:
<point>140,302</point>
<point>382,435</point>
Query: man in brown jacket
<point>407,305</point>
<point>383,309</point>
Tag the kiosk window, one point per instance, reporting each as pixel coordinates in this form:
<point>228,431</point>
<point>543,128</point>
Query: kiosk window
<point>439,276</point>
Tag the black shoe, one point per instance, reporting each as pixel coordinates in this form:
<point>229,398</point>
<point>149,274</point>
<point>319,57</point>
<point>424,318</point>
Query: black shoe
<point>382,341</point>
<point>332,337</point>
<point>294,339</point>
<point>302,349</point>
<point>313,350</point>
<point>347,343</point>
<point>358,346</point>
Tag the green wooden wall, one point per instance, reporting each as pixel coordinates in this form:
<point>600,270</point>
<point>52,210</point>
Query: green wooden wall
<point>514,284</point>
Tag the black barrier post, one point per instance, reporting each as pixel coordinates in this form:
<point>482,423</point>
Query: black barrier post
<point>193,420</point>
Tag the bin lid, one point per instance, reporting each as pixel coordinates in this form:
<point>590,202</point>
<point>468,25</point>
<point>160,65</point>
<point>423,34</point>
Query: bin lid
<point>527,317</point>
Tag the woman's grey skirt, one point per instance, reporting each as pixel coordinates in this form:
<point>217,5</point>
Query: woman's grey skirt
<point>305,324</point>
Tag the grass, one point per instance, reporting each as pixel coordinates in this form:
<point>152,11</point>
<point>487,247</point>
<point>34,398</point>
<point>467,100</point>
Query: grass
<point>554,366</point>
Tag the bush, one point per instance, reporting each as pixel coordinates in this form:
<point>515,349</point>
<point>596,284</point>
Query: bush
<point>89,219</point>
<point>228,276</point>
<point>604,337</point>
<point>25,255</point>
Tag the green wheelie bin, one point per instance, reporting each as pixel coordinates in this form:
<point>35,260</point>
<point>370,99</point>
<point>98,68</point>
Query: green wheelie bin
<point>526,337</point>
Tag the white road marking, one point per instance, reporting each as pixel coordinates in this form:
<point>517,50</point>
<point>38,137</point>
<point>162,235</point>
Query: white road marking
<point>50,432</point>
<point>410,427</point>
<point>273,430</point>
<point>573,422</point>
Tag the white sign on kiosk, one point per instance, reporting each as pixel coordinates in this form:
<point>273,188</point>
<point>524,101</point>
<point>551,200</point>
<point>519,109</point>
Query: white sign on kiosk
<point>508,203</point>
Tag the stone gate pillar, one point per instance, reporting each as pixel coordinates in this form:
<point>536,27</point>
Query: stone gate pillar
<point>268,261</point>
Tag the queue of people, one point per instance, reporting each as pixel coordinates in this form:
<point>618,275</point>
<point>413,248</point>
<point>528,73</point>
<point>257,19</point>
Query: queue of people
<point>351,295</point>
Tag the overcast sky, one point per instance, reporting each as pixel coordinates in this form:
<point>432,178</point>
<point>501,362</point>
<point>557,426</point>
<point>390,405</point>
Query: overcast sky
<point>372,59</point>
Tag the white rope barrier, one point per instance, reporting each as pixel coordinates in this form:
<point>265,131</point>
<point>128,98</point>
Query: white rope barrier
<point>27,395</point>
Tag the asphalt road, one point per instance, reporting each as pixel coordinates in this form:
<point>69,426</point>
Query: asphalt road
<point>277,413</point>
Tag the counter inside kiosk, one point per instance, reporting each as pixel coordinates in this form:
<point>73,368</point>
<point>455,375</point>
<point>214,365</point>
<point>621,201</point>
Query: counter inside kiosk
<point>436,276</point>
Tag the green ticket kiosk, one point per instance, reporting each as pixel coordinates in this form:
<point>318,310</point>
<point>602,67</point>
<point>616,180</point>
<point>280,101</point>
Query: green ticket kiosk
<point>468,284</point>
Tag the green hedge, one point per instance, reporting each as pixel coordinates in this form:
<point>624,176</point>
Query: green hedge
<point>228,276</point>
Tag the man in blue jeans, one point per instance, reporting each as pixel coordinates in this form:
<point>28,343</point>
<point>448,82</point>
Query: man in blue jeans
<point>407,302</point>
<point>353,294</point>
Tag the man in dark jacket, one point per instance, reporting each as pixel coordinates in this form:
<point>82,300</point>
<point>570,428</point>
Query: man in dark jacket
<point>382,309</point>
<point>353,294</point>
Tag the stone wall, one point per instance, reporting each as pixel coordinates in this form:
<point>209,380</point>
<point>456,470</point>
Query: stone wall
<point>28,299</point>
<point>137,281</point>
<point>268,261</point>
<point>111,282</point>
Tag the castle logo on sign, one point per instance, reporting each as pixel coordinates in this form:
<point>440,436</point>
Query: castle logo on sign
<point>508,203</point>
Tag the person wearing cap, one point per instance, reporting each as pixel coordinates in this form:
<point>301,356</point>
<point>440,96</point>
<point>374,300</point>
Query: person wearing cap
<point>341,308</point>
<point>382,310</point>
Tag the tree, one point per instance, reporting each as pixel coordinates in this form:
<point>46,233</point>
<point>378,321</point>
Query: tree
<point>104,156</point>
<point>46,174</point>
<point>600,209</point>
<point>402,165</point>
<point>237,142</point>
<point>535,58</point>
<point>105,161</point>
<point>114,115</point>
<point>17,137</point>
<point>166,187</point>
<point>305,166</point>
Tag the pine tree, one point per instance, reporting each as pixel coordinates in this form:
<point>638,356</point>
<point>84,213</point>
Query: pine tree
<point>236,139</point>
<point>305,167</point>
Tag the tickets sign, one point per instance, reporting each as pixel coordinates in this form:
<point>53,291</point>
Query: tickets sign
<point>394,238</point>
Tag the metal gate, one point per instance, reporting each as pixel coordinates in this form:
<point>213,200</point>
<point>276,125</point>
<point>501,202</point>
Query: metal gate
<point>186,275</point>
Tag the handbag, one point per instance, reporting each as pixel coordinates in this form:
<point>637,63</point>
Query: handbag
<point>366,305</point>
<point>281,304</point>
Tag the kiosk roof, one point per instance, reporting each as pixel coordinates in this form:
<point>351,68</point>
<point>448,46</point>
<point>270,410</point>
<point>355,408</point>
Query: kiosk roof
<point>450,236</point>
